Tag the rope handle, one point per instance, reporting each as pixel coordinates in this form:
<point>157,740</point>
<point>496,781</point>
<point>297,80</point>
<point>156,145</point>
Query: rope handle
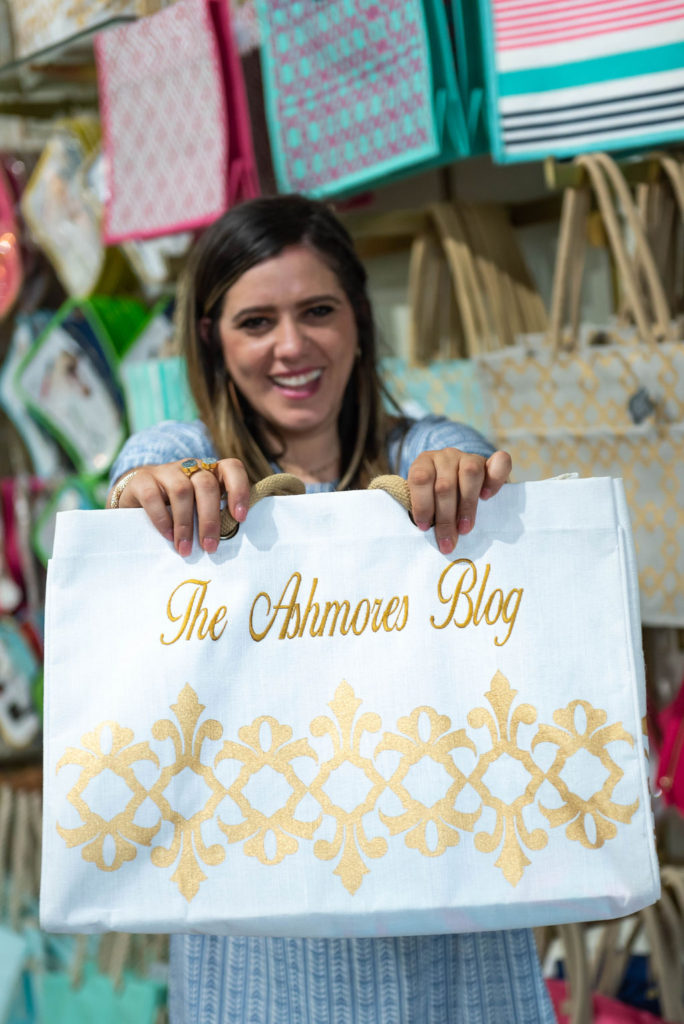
<point>571,245</point>
<point>269,487</point>
<point>643,255</point>
<point>283,484</point>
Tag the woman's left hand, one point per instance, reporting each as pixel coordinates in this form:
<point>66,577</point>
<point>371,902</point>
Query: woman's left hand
<point>446,486</point>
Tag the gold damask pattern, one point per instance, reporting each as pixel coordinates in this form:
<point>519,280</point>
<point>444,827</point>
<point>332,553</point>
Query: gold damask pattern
<point>431,825</point>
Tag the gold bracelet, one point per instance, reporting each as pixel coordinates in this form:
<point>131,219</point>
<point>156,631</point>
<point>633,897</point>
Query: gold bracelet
<point>120,488</point>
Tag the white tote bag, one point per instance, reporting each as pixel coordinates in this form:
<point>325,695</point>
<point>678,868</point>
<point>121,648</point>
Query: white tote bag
<point>329,728</point>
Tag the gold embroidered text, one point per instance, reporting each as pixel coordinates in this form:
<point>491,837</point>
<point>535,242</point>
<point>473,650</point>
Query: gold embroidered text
<point>192,612</point>
<point>315,617</point>
<point>464,609</point>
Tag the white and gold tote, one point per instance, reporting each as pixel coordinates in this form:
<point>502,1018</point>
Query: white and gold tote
<point>329,728</point>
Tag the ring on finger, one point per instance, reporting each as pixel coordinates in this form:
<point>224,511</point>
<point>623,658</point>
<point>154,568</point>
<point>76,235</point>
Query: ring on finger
<point>190,466</point>
<point>209,464</point>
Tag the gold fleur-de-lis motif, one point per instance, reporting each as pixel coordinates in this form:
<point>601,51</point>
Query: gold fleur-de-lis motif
<point>121,828</point>
<point>578,727</point>
<point>282,823</point>
<point>187,744</point>
<point>509,815</point>
<point>346,740</point>
<point>593,738</point>
<point>441,813</point>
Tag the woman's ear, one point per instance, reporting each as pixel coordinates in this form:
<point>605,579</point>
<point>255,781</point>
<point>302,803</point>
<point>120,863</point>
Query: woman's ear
<point>204,329</point>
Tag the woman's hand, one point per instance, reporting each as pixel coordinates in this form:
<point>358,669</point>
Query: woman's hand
<point>446,486</point>
<point>170,499</point>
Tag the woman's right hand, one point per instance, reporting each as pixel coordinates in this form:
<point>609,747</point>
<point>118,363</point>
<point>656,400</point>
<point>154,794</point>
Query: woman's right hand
<point>171,498</point>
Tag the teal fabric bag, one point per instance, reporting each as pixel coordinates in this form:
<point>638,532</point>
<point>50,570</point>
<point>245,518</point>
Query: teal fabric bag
<point>155,390</point>
<point>12,956</point>
<point>358,92</point>
<point>470,69</point>
<point>450,388</point>
<point>97,1001</point>
<point>582,78</point>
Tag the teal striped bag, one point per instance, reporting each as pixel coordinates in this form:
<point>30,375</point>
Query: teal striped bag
<point>565,79</point>
<point>358,91</point>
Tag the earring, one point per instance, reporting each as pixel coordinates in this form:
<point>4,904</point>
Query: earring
<point>204,328</point>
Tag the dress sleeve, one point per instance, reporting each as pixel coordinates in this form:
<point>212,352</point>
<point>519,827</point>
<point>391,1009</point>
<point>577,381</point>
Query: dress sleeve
<point>165,442</point>
<point>431,434</point>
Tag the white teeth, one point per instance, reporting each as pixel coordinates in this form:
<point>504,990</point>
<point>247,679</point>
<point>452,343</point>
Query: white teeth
<point>298,379</point>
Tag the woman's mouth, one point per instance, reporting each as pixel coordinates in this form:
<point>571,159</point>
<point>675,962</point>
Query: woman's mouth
<point>298,385</point>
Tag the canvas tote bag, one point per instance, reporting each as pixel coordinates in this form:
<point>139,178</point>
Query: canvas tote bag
<point>175,122</point>
<point>357,92</point>
<point>560,403</point>
<point>569,78</point>
<point>299,735</point>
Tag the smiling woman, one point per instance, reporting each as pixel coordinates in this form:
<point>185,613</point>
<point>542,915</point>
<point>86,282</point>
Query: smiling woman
<point>279,338</point>
<point>289,341</point>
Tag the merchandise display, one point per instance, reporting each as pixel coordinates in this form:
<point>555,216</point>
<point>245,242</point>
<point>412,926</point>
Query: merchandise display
<point>511,175</point>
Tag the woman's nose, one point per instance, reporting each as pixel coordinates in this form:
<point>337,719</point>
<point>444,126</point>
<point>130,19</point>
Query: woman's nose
<point>290,338</point>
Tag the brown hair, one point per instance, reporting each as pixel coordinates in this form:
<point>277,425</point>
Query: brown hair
<point>246,235</point>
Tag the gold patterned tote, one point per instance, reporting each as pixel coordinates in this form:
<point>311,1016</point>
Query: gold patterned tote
<point>329,728</point>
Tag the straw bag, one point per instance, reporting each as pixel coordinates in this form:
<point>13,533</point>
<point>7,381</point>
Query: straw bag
<point>616,406</point>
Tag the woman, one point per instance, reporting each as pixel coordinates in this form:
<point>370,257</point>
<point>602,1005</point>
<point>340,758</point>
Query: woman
<point>280,345</point>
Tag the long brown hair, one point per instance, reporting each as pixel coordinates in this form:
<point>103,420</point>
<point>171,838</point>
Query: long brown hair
<point>246,235</point>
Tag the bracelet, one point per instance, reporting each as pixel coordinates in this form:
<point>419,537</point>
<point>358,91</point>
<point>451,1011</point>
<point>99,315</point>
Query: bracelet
<point>120,488</point>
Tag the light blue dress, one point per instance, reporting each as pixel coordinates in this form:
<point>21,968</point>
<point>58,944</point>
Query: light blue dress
<point>480,978</point>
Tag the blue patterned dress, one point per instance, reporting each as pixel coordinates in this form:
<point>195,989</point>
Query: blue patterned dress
<point>480,978</point>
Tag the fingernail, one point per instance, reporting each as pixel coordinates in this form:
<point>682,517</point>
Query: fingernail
<point>423,526</point>
<point>446,545</point>
<point>240,512</point>
<point>210,544</point>
<point>464,525</point>
<point>185,547</point>
<point>485,493</point>
<point>169,535</point>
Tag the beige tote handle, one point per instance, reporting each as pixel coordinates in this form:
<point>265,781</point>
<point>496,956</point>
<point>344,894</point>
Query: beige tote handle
<point>643,254</point>
<point>478,334</point>
<point>277,484</point>
<point>566,283</point>
<point>425,275</point>
<point>287,483</point>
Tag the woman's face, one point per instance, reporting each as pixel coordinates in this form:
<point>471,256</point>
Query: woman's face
<point>289,341</point>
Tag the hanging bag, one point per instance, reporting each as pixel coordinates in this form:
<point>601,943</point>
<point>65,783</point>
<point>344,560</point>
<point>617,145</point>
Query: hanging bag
<point>615,406</point>
<point>358,92</point>
<point>564,78</point>
<point>175,124</point>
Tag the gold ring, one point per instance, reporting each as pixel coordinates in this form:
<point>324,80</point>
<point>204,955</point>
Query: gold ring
<point>209,464</point>
<point>189,466</point>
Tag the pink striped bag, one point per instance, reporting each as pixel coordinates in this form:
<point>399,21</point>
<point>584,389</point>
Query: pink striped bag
<point>176,138</point>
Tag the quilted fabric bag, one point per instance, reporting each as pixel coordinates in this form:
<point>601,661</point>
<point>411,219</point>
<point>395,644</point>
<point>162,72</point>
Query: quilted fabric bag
<point>570,78</point>
<point>613,407</point>
<point>176,132</point>
<point>298,736</point>
<point>358,92</point>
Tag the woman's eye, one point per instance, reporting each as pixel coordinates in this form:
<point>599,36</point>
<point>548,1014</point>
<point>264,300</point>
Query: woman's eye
<point>318,312</point>
<point>255,323</point>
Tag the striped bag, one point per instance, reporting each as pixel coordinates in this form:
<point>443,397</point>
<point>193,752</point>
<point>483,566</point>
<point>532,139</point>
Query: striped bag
<point>578,75</point>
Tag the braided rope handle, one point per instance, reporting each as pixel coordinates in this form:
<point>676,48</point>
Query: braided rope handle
<point>280,484</point>
<point>277,484</point>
